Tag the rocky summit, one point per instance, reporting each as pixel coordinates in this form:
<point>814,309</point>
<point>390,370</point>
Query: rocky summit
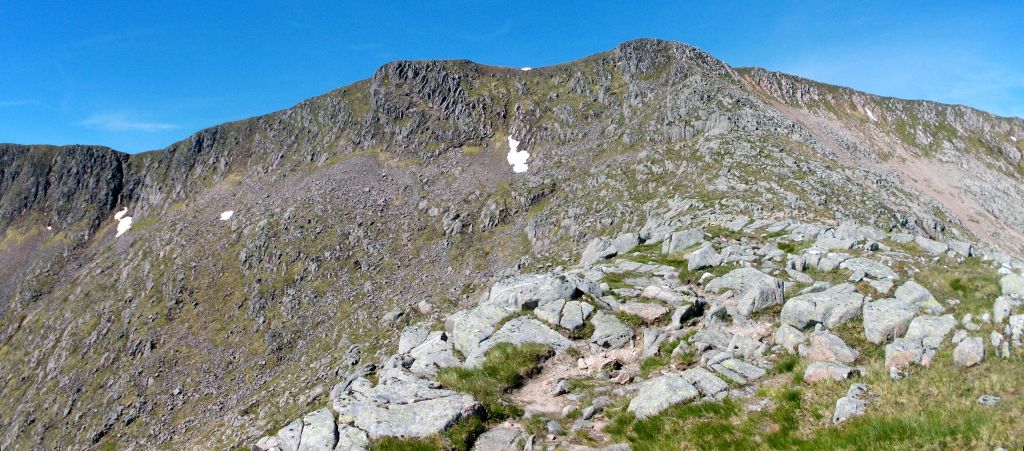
<point>645,248</point>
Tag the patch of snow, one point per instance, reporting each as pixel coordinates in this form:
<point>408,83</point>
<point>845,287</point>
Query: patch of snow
<point>227,215</point>
<point>527,68</point>
<point>1013,138</point>
<point>49,228</point>
<point>516,158</point>
<point>120,214</point>
<point>870,116</point>
<point>123,223</point>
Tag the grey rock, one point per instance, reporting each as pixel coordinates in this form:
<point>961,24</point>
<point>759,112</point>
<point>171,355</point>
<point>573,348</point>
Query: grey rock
<point>351,438</point>
<point>913,293</point>
<point>762,294</point>
<point>501,438</point>
<point>789,337</point>
<point>931,246</point>
<point>738,280</point>
<point>519,331</point>
<point>661,393</point>
<point>664,294</point>
<point>706,382</point>
<point>1012,285</point>
<point>319,432</point>
<point>682,240</point>
<point>883,286</point>
<point>468,328</point>
<point>400,405</point>
<point>597,250</point>
<point>648,311</point>
<point>609,332</point>
<point>824,346</point>
<point>528,291</point>
<point>411,337</point>
<point>869,267</point>
<point>703,258</point>
<point>830,308</point>
<point>1001,309</point>
<point>969,352</point>
<point>626,242</point>
<point>887,319</point>
<point>289,436</point>
<point>652,337</point>
<point>989,400</point>
<point>819,371</point>
<point>435,352</point>
<point>852,405</point>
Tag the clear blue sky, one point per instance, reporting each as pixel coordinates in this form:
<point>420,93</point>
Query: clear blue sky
<point>140,75</point>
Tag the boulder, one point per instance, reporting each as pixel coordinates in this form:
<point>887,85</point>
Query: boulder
<point>661,393</point>
<point>824,346</point>
<point>703,258</point>
<point>663,294</point>
<point>854,404</point>
<point>467,328</point>
<point>682,240</point>
<point>762,294</point>
<point>597,250</point>
<point>609,332</point>
<point>319,432</point>
<point>738,280</point>
<point>528,291</point>
<point>648,311</point>
<point>351,438</point>
<point>501,438</point>
<point>519,331</point>
<point>400,405</point>
<point>919,296</point>
<point>869,267</point>
<point>411,337</point>
<point>626,242</point>
<point>830,308</point>
<point>970,352</point>
<point>1012,285</point>
<point>924,336</point>
<point>706,382</point>
<point>819,371</point>
<point>887,319</point>
<point>435,352</point>
<point>931,246</point>
<point>789,337</point>
<point>1001,309</point>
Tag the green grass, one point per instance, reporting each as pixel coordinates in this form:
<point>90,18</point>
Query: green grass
<point>975,283</point>
<point>934,408</point>
<point>505,367</point>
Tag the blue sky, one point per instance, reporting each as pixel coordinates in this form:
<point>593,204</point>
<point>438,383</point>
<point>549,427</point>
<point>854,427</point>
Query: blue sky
<point>140,75</point>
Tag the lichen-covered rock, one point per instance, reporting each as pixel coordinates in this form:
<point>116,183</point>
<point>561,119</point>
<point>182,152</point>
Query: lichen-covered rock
<point>913,293</point>
<point>661,393</point>
<point>501,438</point>
<point>528,291</point>
<point>681,240</point>
<point>824,346</point>
<point>789,337</point>
<point>854,404</point>
<point>886,319</point>
<point>970,352</point>
<point>609,332</point>
<point>830,308</point>
<point>1012,285</point>
<point>518,331</point>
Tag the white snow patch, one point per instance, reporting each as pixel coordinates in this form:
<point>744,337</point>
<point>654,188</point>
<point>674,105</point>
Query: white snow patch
<point>227,215</point>
<point>120,214</point>
<point>49,228</point>
<point>1013,138</point>
<point>527,68</point>
<point>123,224</point>
<point>870,116</point>
<point>516,158</point>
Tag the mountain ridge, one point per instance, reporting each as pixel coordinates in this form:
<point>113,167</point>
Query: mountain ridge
<point>390,201</point>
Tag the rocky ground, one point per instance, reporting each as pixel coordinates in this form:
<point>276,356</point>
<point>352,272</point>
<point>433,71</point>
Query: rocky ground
<point>661,318</point>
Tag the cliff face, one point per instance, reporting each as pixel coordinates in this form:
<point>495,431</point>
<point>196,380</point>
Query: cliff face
<point>391,201</point>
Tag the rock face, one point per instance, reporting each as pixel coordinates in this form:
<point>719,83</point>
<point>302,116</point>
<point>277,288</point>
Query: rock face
<point>660,394</point>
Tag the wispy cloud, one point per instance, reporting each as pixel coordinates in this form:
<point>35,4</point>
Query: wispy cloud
<point>123,122</point>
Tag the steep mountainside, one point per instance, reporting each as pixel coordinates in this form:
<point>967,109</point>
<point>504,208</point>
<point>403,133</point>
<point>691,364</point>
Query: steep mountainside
<point>390,202</point>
